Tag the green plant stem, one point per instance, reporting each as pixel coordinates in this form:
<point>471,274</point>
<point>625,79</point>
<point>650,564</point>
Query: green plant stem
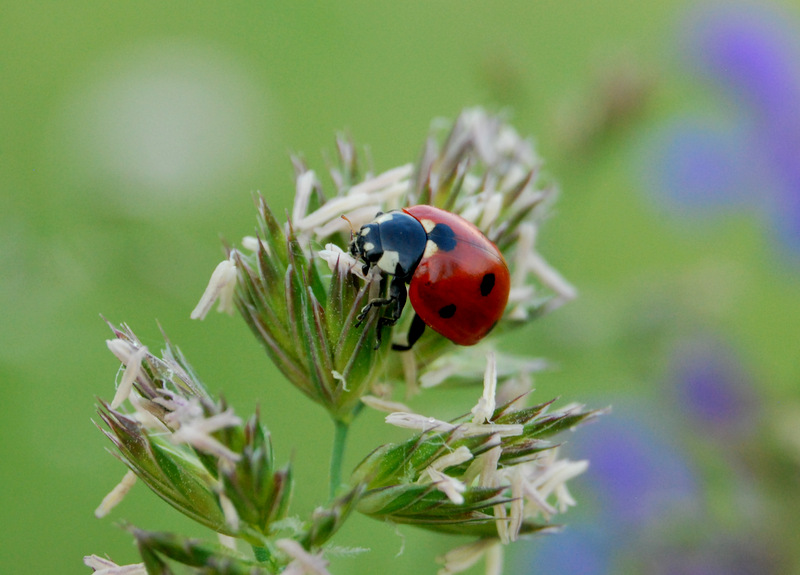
<point>337,455</point>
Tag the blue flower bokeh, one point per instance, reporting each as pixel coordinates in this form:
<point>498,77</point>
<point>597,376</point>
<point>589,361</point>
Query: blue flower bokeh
<point>747,151</point>
<point>646,498</point>
<point>713,392</point>
<point>638,480</point>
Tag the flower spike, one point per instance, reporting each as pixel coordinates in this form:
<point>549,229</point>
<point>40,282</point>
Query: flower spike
<point>316,287</point>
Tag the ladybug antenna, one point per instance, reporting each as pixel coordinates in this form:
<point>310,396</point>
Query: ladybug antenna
<point>349,223</point>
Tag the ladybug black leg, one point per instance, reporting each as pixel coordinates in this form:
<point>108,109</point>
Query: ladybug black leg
<point>377,302</point>
<point>397,296</point>
<point>415,332</point>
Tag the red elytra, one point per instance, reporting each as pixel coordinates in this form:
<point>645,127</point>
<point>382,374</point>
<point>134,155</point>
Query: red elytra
<point>460,292</point>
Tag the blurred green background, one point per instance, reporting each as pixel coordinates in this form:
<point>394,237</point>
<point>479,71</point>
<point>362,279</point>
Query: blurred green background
<point>132,136</point>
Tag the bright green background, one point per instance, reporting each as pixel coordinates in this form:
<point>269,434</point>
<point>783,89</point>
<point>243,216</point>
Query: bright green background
<point>85,230</point>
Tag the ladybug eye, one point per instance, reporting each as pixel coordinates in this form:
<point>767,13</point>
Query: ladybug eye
<point>447,311</point>
<point>487,284</point>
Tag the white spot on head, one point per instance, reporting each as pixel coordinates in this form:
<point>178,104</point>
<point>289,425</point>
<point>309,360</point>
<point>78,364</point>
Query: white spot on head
<point>369,246</point>
<point>389,261</point>
<point>365,231</point>
<point>430,249</point>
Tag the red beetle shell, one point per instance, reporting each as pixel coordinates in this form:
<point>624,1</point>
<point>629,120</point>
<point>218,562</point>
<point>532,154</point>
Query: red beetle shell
<point>460,293</point>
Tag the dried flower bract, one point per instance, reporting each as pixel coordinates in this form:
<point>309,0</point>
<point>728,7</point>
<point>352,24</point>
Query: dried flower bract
<point>493,473</point>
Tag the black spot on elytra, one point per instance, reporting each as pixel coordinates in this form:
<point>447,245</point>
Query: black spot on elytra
<point>443,236</point>
<point>447,311</point>
<point>487,284</point>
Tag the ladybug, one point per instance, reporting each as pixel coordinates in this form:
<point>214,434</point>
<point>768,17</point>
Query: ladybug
<point>458,281</point>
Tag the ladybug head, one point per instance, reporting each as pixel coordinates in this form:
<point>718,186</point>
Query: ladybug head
<point>366,244</point>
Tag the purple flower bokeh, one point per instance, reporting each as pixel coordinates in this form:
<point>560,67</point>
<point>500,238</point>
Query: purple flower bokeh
<point>749,54</point>
<point>637,481</point>
<point>695,164</point>
<point>636,474</point>
<point>580,550</point>
<point>751,51</point>
<point>712,390</point>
